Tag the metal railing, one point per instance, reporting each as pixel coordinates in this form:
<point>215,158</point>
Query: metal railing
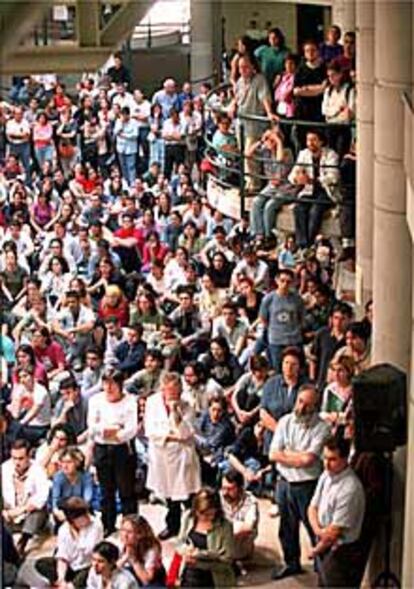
<point>151,35</point>
<point>238,160</point>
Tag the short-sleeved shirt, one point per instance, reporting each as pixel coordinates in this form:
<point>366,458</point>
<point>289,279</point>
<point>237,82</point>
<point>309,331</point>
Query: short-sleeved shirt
<point>272,61</point>
<point>283,316</point>
<point>295,435</point>
<point>250,95</point>
<point>340,501</point>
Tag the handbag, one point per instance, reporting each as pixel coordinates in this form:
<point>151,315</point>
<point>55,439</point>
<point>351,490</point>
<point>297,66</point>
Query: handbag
<point>66,150</point>
<point>173,575</point>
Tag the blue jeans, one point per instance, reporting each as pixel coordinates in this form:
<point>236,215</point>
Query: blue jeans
<point>22,151</point>
<point>157,152</point>
<point>293,500</point>
<point>264,212</point>
<point>128,167</point>
<point>44,154</point>
<point>308,218</point>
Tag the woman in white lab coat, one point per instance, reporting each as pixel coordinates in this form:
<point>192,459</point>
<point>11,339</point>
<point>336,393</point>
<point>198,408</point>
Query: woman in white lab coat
<point>173,469</point>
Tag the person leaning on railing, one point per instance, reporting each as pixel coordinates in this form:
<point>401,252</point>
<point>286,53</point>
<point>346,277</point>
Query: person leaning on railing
<point>252,97</point>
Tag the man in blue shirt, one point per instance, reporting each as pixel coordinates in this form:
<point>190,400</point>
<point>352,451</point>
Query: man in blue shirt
<point>126,132</point>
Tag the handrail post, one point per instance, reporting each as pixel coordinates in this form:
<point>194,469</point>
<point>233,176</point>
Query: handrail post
<point>242,166</point>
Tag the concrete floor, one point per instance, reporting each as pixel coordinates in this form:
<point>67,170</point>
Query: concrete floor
<point>267,553</point>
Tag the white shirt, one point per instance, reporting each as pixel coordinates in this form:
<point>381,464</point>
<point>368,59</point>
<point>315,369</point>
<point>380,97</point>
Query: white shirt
<point>102,415</point>
<point>40,397</point>
<point>77,550</point>
<point>17,129</point>
<point>340,501</point>
<point>36,485</point>
<point>294,435</point>
<point>120,579</point>
<point>143,109</point>
<point>125,100</point>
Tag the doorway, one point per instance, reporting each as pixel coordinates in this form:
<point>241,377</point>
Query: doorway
<point>309,23</point>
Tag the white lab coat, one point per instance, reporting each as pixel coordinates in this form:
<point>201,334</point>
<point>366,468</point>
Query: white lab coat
<point>328,176</point>
<point>173,467</point>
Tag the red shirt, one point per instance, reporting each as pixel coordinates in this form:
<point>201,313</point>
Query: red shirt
<point>52,356</point>
<point>121,312</point>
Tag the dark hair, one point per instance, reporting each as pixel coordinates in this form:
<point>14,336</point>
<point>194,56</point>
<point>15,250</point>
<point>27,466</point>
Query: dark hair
<point>20,443</point>
<point>222,342</point>
<point>235,477</point>
<point>62,262</point>
<point>44,332</point>
<point>220,399</point>
<point>338,444</point>
<point>94,350</point>
<point>285,271</point>
<point>279,34</point>
<point>318,132</point>
<point>258,362</point>
<point>27,349</point>
<point>115,375</point>
<point>125,110</point>
<point>74,507</point>
<point>72,294</point>
<point>155,354</point>
<point>343,308</point>
<point>292,351</point>
<point>358,330</point>
<point>69,383</point>
<point>66,429</point>
<point>108,551</point>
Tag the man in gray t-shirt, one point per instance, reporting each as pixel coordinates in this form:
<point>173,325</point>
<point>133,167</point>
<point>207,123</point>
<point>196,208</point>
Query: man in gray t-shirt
<point>281,314</point>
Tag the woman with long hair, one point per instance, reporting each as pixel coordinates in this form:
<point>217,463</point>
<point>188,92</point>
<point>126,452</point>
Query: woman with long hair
<point>141,552</point>
<point>206,543</point>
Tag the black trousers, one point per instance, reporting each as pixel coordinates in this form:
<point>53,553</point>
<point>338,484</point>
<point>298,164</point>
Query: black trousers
<point>173,517</point>
<point>174,155</point>
<point>116,465</point>
<point>47,568</point>
<point>309,216</point>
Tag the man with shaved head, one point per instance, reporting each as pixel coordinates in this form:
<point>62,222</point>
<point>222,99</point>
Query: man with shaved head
<point>296,449</point>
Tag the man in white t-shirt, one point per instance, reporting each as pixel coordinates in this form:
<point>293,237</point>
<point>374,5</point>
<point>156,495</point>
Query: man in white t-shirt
<point>18,136</point>
<point>76,540</point>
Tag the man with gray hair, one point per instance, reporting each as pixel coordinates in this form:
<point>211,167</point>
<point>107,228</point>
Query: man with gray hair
<point>173,465</point>
<point>296,449</point>
<point>167,97</point>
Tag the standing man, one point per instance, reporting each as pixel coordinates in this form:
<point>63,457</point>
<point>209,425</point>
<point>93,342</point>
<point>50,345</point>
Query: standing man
<point>297,448</point>
<point>18,134</point>
<point>112,425</point>
<point>281,314</point>
<point>336,514</point>
<point>173,466</point>
<point>252,97</point>
<point>126,133</point>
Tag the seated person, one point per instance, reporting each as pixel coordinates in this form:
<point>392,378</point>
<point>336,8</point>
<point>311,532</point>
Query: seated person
<point>242,509</point>
<point>140,552</point>
<point>91,377</point>
<point>146,381</point>
<point>275,194</point>
<point>214,431</point>
<point>72,480</point>
<point>105,572</point>
<point>71,410</point>
<point>316,173</point>
<point>206,543</point>
<point>221,365</point>
<point>25,489</point>
<point>76,539</point>
<point>59,438</point>
<point>130,354</point>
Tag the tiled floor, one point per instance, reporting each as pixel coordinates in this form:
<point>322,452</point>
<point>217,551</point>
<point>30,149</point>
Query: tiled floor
<point>266,555</point>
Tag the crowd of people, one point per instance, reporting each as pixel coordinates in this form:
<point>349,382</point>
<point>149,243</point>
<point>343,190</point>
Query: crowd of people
<point>154,349</point>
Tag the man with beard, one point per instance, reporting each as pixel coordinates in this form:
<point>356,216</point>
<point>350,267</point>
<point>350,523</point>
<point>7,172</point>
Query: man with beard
<point>297,448</point>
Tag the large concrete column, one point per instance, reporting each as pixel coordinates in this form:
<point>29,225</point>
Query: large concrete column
<point>392,247</point>
<point>392,268</point>
<point>202,39</point>
<point>365,148</point>
<point>343,14</point>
